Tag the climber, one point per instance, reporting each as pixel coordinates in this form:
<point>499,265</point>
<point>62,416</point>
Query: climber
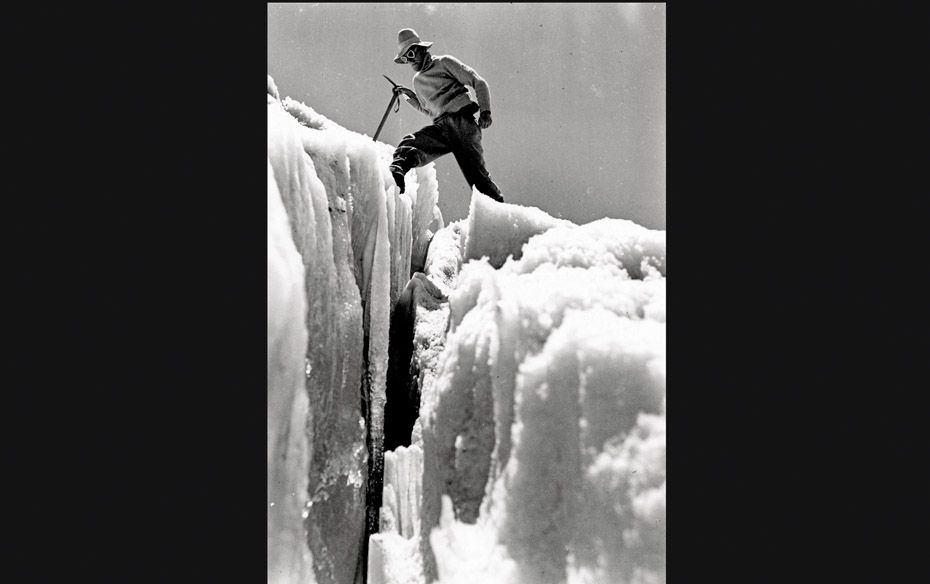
<point>441,94</point>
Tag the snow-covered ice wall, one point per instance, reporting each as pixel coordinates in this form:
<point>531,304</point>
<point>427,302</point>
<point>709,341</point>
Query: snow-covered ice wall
<point>288,555</point>
<point>342,242</point>
<point>537,359</point>
<point>541,435</point>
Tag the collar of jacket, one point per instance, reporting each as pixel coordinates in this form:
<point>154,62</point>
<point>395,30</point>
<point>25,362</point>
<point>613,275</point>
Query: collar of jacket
<point>427,64</point>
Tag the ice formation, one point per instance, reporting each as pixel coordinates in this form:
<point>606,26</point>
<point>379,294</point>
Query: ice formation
<point>288,456</point>
<point>535,349</point>
<point>541,434</point>
<point>355,240</point>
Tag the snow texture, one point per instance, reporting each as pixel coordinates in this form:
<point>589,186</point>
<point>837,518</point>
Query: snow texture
<point>356,238</point>
<point>499,230</point>
<point>394,555</point>
<point>542,416</point>
<point>273,89</point>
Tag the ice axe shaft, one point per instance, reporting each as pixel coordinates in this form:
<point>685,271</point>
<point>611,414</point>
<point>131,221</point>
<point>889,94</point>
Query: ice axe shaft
<point>387,111</point>
<point>384,117</point>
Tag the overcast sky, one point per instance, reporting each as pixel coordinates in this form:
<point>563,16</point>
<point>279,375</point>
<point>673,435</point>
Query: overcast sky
<point>577,93</point>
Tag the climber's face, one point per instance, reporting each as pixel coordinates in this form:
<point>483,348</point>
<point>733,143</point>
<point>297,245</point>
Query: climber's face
<point>415,57</point>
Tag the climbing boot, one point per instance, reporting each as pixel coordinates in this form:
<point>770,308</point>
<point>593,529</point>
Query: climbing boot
<point>398,175</point>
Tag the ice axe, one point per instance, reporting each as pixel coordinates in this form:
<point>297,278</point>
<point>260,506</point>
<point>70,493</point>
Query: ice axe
<point>388,110</point>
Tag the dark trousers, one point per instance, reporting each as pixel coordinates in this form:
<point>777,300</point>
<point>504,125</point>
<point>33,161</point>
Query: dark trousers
<point>457,133</point>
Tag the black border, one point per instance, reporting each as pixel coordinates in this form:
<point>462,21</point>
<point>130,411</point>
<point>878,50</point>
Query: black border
<point>139,166</point>
<point>796,338</point>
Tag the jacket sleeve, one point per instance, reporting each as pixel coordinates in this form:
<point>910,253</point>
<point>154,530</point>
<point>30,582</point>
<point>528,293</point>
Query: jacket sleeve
<point>468,76</point>
<point>417,105</point>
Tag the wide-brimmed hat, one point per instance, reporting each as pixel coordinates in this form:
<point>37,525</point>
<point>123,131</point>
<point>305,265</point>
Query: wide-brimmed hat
<point>406,38</point>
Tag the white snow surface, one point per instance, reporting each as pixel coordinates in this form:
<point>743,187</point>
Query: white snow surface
<point>499,230</point>
<point>352,241</point>
<point>542,415</point>
<point>273,89</point>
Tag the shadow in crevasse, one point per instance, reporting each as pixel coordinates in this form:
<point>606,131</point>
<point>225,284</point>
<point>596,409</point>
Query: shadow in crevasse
<point>402,392</point>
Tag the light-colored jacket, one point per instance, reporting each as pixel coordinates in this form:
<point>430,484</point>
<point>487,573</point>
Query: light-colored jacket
<point>440,87</point>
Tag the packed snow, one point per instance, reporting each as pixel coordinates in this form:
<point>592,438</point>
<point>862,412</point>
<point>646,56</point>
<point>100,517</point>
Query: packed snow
<point>542,416</point>
<point>537,357</point>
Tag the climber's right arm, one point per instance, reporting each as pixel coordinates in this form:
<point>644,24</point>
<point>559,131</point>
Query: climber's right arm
<point>411,98</point>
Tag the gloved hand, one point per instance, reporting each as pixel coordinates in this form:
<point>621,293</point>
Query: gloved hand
<point>484,120</point>
<point>408,94</point>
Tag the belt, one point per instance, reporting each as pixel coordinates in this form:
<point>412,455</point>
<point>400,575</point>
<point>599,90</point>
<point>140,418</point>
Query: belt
<point>469,109</point>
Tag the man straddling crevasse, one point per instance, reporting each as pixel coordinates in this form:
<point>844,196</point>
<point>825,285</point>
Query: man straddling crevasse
<point>441,94</point>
